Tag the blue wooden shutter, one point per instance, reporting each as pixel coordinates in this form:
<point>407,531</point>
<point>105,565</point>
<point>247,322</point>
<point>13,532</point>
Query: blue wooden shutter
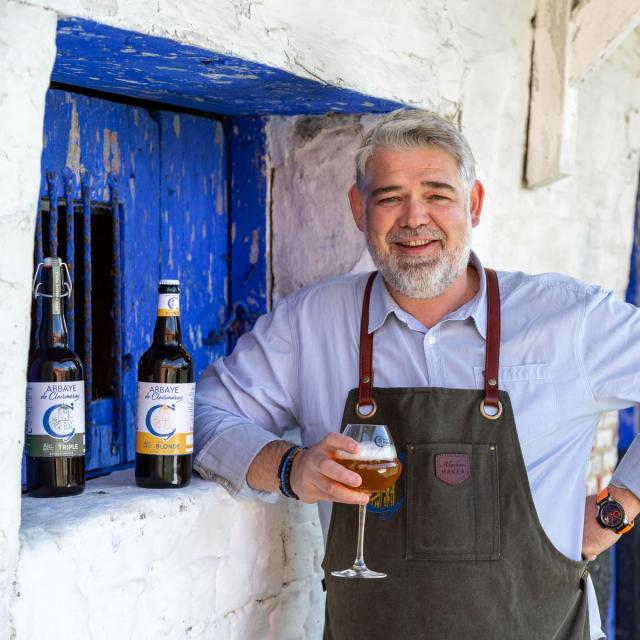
<point>130,197</point>
<point>194,228</point>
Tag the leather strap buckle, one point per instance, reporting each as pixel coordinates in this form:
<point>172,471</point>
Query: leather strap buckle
<point>374,407</point>
<point>490,416</point>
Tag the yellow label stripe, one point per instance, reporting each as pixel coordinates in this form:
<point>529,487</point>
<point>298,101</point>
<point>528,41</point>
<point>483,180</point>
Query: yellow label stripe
<point>178,444</point>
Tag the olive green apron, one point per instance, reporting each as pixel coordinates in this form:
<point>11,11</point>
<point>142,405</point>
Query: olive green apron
<point>458,536</point>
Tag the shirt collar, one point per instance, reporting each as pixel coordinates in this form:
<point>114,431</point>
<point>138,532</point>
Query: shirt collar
<point>382,304</point>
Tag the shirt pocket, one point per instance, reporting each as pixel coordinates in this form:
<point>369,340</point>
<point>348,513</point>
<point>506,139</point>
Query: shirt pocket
<point>532,394</point>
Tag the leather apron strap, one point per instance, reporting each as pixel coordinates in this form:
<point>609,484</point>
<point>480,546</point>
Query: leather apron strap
<point>367,407</point>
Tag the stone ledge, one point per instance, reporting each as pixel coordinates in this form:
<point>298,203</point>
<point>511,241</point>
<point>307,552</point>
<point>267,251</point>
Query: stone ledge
<point>123,562</point>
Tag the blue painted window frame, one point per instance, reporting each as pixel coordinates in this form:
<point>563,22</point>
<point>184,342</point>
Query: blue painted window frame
<point>122,66</point>
<point>155,198</point>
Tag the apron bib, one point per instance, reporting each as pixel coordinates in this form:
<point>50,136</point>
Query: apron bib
<point>458,536</point>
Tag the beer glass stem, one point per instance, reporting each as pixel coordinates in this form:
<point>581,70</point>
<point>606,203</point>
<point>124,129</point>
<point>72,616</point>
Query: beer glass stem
<point>359,561</point>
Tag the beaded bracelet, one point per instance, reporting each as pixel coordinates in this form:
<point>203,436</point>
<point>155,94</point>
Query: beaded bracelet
<point>284,471</point>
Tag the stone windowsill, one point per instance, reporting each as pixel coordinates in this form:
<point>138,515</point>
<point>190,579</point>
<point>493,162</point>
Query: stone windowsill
<point>191,562</point>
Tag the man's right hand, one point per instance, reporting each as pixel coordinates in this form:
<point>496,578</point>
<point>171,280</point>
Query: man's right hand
<point>316,476</point>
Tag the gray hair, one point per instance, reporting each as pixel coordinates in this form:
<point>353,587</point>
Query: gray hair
<point>414,128</point>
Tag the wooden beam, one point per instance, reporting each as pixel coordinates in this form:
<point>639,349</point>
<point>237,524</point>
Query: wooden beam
<point>597,27</point>
<point>550,105</point>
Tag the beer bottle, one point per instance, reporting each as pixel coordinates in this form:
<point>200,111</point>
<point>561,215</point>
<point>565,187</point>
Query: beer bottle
<point>166,393</point>
<point>54,443</point>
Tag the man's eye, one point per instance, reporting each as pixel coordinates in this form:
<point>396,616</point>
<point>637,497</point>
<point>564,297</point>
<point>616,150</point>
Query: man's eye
<point>437,196</point>
<point>389,200</point>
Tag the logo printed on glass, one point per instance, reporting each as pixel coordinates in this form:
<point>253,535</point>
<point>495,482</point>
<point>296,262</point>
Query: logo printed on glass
<point>381,441</point>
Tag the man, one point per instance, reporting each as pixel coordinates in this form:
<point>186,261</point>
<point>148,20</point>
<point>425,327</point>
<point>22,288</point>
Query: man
<point>491,386</point>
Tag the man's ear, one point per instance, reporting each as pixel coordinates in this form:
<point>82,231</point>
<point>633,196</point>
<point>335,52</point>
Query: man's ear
<point>476,198</point>
<point>357,206</point>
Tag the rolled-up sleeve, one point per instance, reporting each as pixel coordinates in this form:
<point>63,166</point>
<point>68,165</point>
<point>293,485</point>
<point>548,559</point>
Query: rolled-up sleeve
<point>627,473</point>
<point>245,401</point>
<point>610,346</point>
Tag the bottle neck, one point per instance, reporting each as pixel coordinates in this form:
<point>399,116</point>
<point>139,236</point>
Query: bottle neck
<point>167,329</point>
<point>53,327</point>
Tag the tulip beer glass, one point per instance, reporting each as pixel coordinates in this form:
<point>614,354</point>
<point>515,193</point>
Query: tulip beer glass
<point>377,464</point>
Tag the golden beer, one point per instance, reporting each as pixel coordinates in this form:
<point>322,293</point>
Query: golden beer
<point>377,475</point>
<point>378,466</point>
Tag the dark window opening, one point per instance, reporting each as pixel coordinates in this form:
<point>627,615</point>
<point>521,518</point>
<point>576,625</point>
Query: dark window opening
<point>91,326</point>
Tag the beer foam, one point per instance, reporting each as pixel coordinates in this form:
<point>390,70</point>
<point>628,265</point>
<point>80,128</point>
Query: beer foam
<point>369,451</point>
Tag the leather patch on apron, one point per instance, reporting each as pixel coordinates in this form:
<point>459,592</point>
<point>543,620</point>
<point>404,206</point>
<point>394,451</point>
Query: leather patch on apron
<point>453,468</point>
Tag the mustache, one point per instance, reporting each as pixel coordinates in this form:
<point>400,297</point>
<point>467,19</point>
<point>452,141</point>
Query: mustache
<point>420,233</point>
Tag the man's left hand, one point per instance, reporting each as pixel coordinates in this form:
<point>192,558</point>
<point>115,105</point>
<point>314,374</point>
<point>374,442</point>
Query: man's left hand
<point>595,539</point>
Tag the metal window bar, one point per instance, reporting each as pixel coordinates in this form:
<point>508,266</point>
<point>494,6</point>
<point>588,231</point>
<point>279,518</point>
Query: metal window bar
<point>59,218</point>
<point>85,181</point>
<point>52,186</point>
<point>69,187</point>
<point>119,437</point>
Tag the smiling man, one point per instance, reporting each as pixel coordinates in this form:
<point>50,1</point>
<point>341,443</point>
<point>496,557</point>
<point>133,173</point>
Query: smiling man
<point>491,386</point>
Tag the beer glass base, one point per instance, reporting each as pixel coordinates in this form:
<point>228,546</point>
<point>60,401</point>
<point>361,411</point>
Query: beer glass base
<point>360,572</point>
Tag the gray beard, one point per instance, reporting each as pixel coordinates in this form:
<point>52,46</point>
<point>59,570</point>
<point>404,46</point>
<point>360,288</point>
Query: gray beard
<point>419,277</point>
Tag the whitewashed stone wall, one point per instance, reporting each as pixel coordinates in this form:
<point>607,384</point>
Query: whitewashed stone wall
<point>581,225</point>
<point>120,562</point>
<point>466,59</point>
<point>26,57</point>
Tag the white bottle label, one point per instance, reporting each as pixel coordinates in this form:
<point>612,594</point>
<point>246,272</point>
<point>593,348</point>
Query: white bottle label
<point>168,304</point>
<point>55,419</point>
<point>164,418</point>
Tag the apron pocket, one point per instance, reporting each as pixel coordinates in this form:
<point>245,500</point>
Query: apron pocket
<point>452,502</point>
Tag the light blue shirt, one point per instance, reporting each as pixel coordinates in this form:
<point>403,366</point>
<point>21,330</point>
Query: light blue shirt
<point>569,351</point>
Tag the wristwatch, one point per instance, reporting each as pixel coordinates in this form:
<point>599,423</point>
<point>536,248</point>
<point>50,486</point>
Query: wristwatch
<point>610,513</point>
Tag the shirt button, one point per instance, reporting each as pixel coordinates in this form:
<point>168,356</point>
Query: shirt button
<point>431,340</point>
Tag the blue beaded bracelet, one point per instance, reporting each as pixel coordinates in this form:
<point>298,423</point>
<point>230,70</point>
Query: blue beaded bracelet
<point>284,471</point>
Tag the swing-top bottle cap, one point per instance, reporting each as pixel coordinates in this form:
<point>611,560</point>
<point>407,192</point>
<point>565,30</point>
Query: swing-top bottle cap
<point>174,283</point>
<point>47,262</point>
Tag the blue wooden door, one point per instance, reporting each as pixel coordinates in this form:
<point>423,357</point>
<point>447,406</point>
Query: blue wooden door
<point>129,196</point>
<point>194,238</point>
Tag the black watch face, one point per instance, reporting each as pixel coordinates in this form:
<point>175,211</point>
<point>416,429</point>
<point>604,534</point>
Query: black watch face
<point>611,514</point>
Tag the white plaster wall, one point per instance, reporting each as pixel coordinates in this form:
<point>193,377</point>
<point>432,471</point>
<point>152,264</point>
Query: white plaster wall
<point>582,225</point>
<point>411,50</point>
<point>26,58</point>
<point>123,563</point>
<point>464,58</point>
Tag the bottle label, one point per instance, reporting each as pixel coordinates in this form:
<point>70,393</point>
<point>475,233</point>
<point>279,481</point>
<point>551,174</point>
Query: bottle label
<point>164,418</point>
<point>168,304</point>
<point>55,419</point>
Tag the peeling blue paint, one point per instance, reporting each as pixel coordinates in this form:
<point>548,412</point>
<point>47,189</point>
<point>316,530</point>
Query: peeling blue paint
<point>99,57</point>
<point>248,212</point>
<point>194,230</point>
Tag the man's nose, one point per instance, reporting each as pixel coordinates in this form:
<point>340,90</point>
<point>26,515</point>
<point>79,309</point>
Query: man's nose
<point>415,213</point>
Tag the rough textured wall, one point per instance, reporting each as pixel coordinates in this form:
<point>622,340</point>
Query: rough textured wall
<point>26,57</point>
<point>582,225</point>
<point>120,563</point>
<point>410,50</point>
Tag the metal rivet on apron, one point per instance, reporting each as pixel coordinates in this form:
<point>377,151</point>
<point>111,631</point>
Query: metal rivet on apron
<point>411,448</point>
<point>492,448</point>
<point>492,382</point>
<point>365,379</point>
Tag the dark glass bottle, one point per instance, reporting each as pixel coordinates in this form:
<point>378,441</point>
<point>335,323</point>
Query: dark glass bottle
<point>166,390</point>
<point>55,439</point>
